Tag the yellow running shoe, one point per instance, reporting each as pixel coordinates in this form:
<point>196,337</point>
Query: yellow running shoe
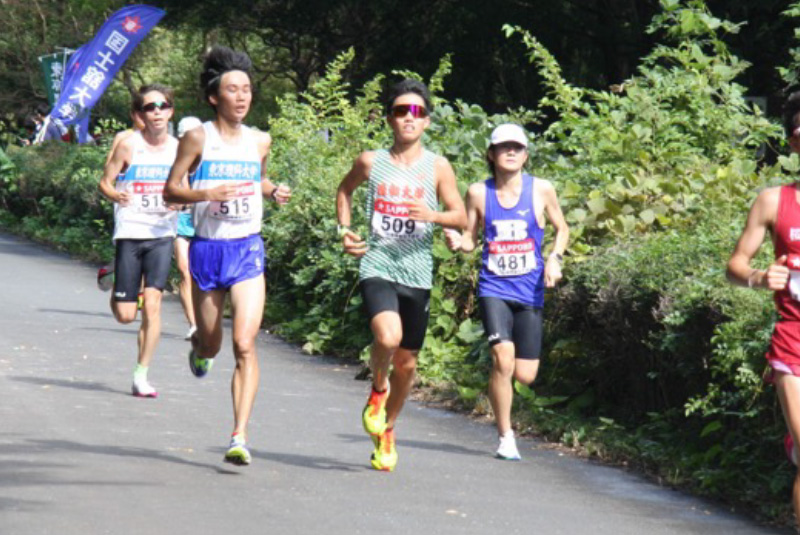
<point>384,457</point>
<point>374,414</point>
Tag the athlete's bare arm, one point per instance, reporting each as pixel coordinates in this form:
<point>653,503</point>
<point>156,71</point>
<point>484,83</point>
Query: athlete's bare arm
<point>552,209</point>
<point>280,193</point>
<point>190,150</point>
<point>119,138</point>
<point>760,220</point>
<point>453,215</point>
<point>359,173</point>
<point>117,162</point>
<point>467,241</point>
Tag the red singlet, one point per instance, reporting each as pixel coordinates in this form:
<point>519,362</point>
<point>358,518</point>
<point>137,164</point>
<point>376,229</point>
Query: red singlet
<point>784,351</point>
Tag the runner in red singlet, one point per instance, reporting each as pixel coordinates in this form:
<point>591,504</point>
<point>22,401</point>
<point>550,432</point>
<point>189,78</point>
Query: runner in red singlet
<point>777,210</point>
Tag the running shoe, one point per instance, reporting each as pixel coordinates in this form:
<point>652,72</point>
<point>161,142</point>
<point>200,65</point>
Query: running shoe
<point>238,453</point>
<point>788,445</point>
<point>507,450</point>
<point>374,414</point>
<point>140,300</point>
<point>190,332</point>
<point>199,366</point>
<point>105,277</point>
<point>142,389</point>
<point>384,457</point>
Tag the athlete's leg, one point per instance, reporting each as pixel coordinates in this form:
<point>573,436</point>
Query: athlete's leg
<point>404,367</point>
<point>208,309</point>
<point>127,274</point>
<point>527,336</point>
<point>247,308</point>
<point>185,285</point>
<point>788,387</point>
<point>387,333</point>
<point>150,329</point>
<point>501,392</point>
<point>156,258</point>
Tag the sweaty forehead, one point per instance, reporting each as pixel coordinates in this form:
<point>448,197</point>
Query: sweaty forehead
<point>409,98</point>
<point>238,78</point>
<point>153,96</point>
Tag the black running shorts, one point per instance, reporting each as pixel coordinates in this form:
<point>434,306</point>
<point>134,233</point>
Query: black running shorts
<point>412,304</point>
<point>137,258</point>
<point>509,321</point>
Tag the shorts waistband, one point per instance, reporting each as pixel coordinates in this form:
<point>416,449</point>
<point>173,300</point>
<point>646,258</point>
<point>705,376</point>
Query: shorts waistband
<point>232,240</point>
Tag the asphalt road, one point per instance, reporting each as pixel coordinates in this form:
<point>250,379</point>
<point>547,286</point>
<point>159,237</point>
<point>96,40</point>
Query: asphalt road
<point>80,455</point>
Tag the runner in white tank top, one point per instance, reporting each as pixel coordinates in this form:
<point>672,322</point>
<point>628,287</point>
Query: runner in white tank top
<point>227,163</point>
<point>144,227</point>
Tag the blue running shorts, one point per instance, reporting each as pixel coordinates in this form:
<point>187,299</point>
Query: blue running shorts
<point>219,264</point>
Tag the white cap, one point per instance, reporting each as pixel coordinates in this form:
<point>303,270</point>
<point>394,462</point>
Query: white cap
<point>509,132</point>
<point>186,124</point>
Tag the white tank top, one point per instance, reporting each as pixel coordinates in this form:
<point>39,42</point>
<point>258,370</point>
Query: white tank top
<point>223,163</point>
<point>146,216</point>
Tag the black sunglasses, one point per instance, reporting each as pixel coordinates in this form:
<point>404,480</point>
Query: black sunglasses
<point>158,105</point>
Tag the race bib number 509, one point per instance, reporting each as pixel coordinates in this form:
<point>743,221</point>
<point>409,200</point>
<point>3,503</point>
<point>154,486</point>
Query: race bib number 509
<point>390,220</point>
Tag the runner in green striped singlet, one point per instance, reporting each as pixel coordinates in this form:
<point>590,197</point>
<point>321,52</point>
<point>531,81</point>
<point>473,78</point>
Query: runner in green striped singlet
<point>405,185</point>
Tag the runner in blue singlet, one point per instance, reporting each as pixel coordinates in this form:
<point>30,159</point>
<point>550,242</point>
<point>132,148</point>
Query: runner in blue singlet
<point>513,275</point>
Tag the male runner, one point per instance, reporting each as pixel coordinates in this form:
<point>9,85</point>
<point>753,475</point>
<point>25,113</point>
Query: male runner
<point>405,184</point>
<point>776,210</point>
<point>227,161</point>
<point>144,226</point>
<point>184,237</point>
<point>512,206</point>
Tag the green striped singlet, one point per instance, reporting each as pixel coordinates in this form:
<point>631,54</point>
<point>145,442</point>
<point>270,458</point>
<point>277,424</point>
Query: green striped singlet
<point>399,248</point>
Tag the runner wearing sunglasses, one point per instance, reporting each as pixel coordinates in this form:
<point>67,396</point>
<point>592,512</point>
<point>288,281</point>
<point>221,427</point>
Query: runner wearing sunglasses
<point>510,209</point>
<point>227,165</point>
<point>144,226</point>
<point>405,185</point>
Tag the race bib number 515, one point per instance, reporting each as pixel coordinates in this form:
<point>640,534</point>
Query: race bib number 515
<point>239,208</point>
<point>390,220</point>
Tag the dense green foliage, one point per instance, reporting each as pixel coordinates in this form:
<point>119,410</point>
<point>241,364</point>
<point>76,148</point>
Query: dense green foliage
<point>651,357</point>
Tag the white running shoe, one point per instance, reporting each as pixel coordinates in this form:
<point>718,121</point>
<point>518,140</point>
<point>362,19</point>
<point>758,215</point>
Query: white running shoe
<point>507,450</point>
<point>190,332</point>
<point>142,389</point>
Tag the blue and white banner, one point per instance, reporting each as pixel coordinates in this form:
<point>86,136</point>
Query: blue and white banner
<point>93,66</point>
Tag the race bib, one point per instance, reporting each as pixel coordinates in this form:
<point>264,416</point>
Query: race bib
<point>148,197</point>
<point>794,285</point>
<point>390,220</point>
<point>240,208</point>
<point>508,259</point>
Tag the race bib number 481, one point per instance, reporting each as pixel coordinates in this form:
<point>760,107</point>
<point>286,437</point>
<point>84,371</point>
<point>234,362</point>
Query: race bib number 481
<point>239,208</point>
<point>508,259</point>
<point>390,220</point>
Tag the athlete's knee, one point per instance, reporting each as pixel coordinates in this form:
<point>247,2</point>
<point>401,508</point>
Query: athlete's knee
<point>388,339</point>
<point>244,346</point>
<point>503,359</point>
<point>405,363</point>
<point>125,314</point>
<point>526,377</point>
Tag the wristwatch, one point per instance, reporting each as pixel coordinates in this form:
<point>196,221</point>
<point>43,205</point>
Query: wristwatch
<point>341,230</point>
<point>558,257</point>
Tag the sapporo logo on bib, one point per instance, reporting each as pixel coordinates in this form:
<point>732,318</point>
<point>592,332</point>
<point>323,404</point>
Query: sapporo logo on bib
<point>148,189</point>
<point>511,253</point>
<point>239,208</point>
<point>391,220</point>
